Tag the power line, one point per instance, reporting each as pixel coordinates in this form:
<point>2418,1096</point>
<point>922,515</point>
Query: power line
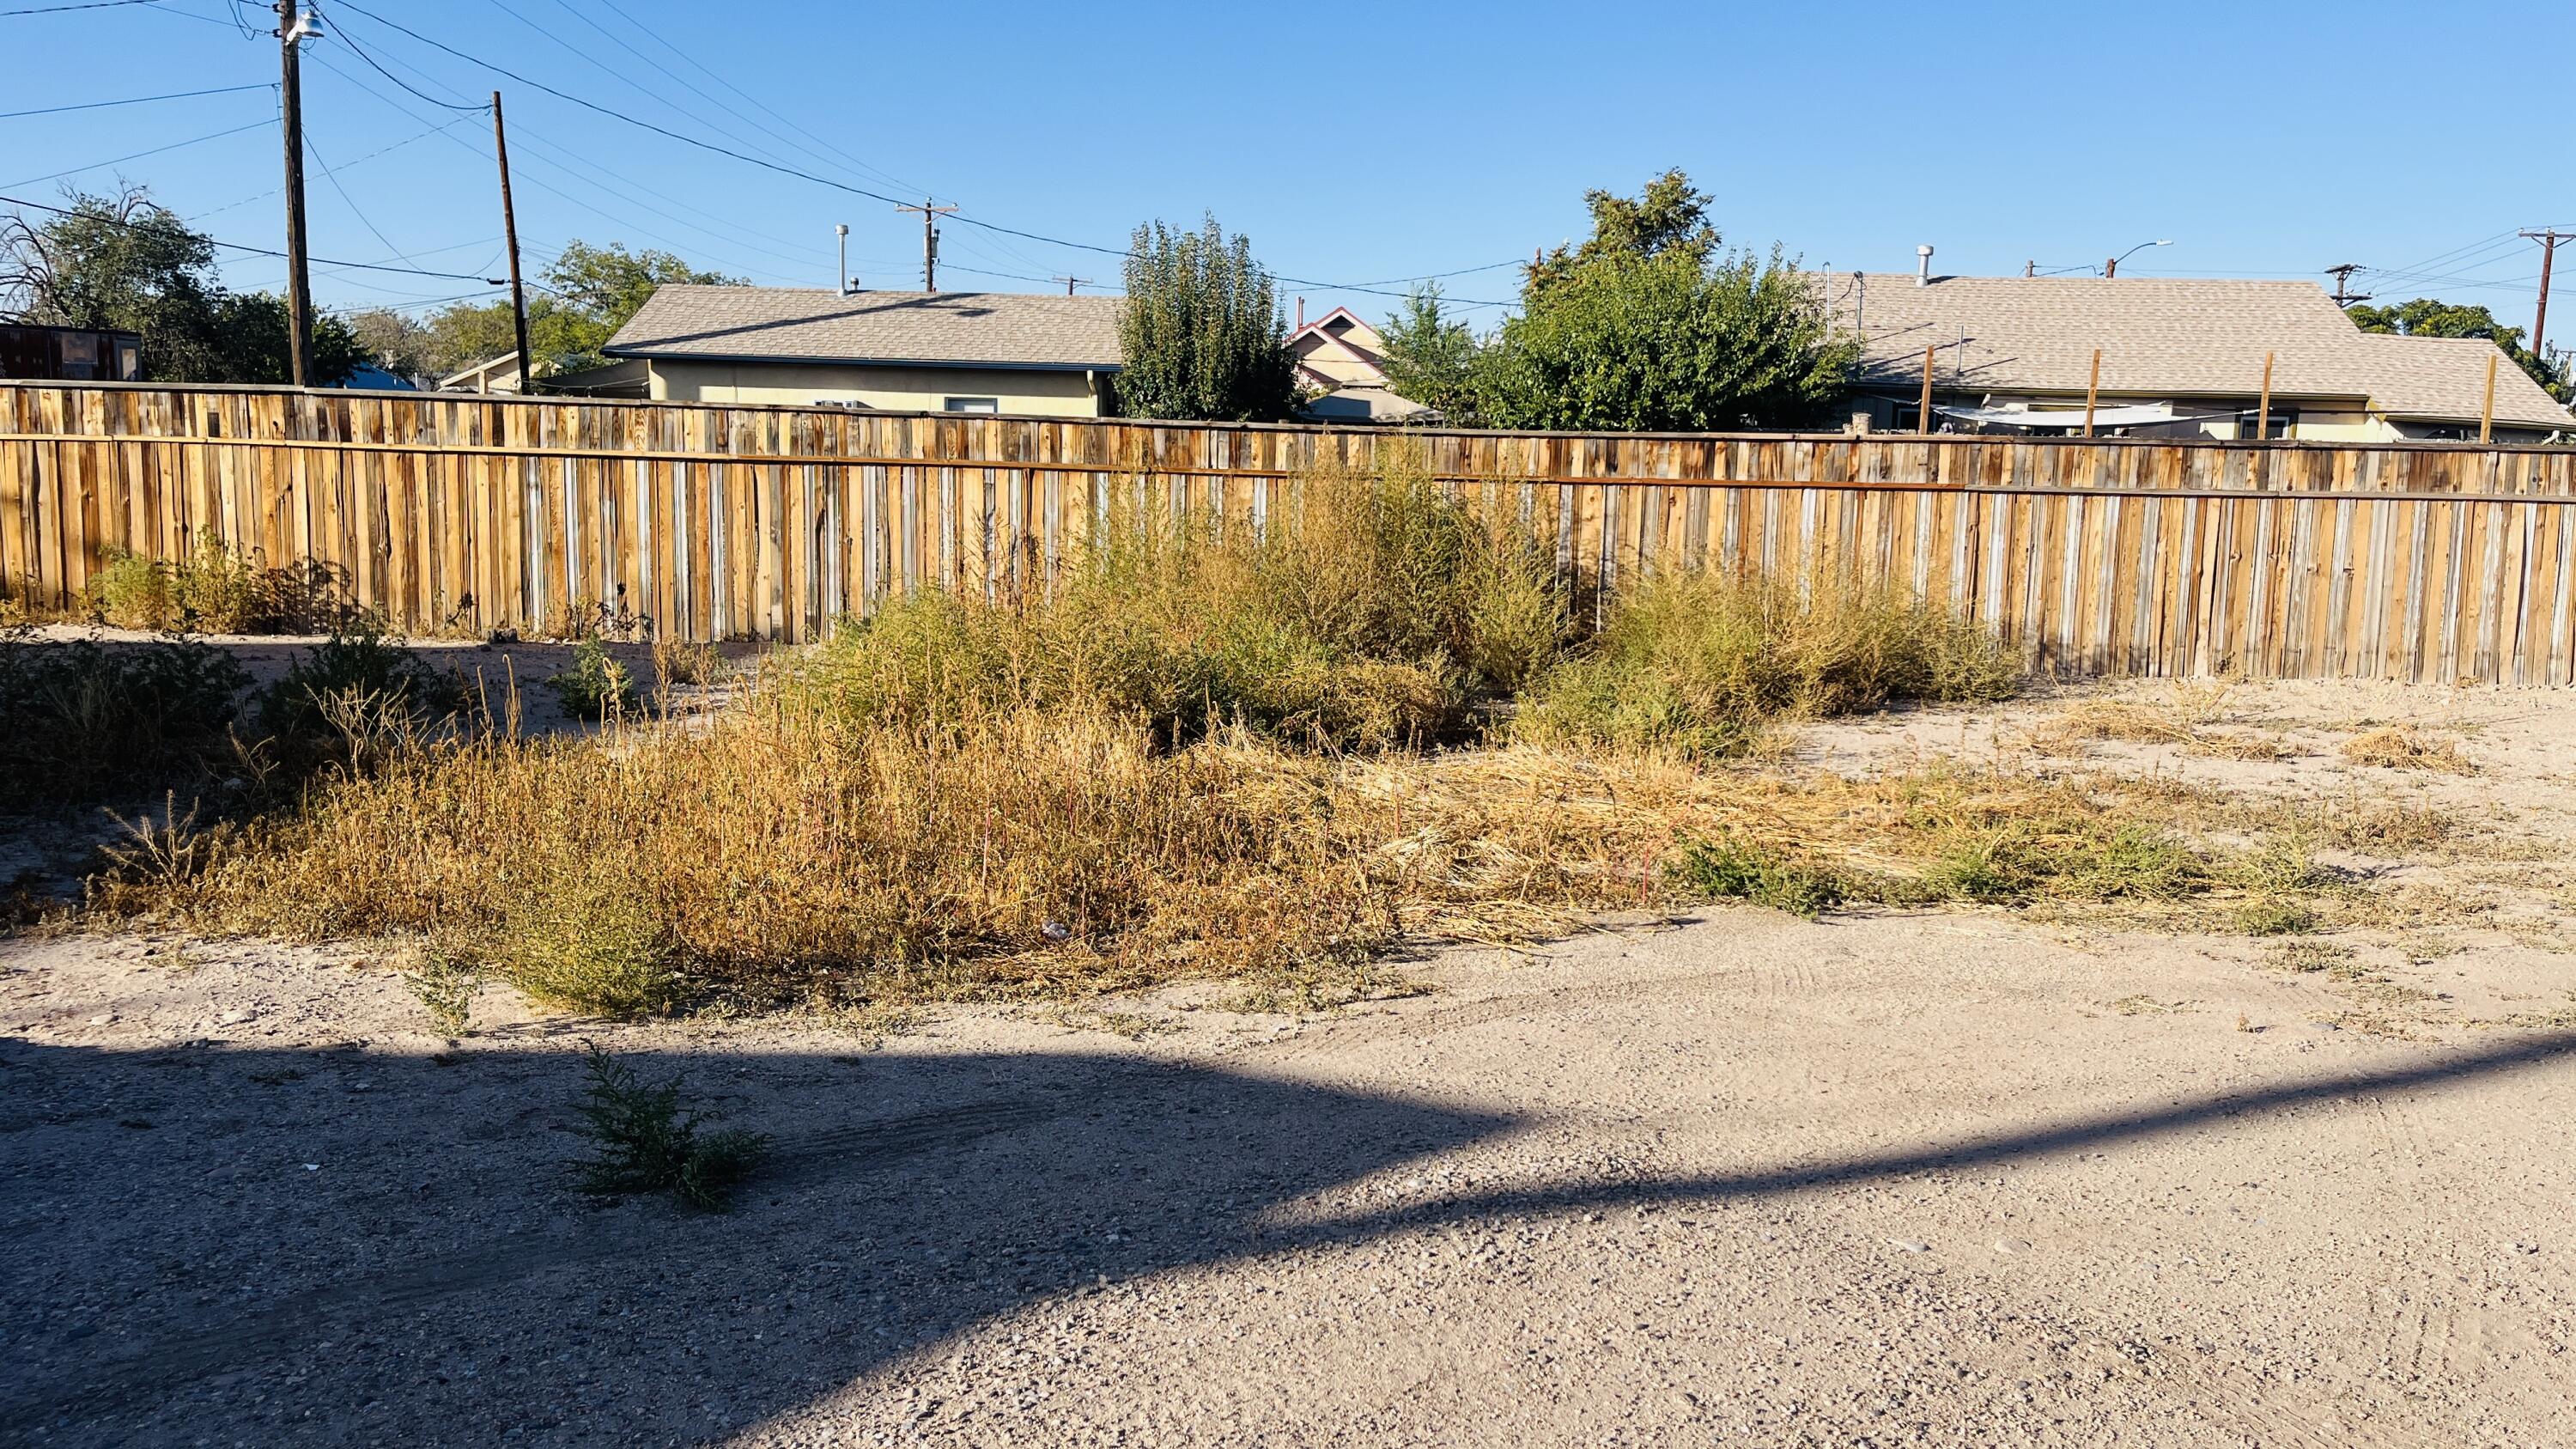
<point>592,207</point>
<point>333,177</point>
<point>757,103</point>
<point>360,52</point>
<point>804,175</point>
<point>257,251</point>
<point>137,100</point>
<point>58,9</point>
<point>260,124</point>
<point>360,161</point>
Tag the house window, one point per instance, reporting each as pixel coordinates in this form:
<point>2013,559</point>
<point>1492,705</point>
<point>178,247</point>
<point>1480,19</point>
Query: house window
<point>974,405</point>
<point>2284,421</point>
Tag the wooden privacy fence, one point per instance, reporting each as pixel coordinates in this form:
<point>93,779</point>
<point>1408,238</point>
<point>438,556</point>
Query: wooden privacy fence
<point>2107,556</point>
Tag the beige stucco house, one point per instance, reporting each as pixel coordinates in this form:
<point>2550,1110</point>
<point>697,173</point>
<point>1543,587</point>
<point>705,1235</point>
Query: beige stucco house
<point>967,352</point>
<point>2180,357</point>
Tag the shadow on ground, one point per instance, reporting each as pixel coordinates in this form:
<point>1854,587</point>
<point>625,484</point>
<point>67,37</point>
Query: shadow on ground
<point>337,1246</point>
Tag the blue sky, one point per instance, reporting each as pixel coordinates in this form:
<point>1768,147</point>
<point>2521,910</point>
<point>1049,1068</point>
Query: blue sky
<point>1356,145</point>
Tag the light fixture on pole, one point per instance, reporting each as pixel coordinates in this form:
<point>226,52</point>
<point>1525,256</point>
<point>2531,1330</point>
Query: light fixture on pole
<point>2111,268</point>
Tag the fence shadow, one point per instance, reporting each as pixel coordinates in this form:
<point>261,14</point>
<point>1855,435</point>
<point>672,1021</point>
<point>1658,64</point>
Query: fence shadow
<point>346,1247</point>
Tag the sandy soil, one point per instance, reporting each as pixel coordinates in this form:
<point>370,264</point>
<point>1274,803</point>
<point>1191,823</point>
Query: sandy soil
<point>1895,1179</point>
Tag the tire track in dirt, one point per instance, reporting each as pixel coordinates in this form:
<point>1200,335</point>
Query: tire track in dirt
<point>180,1358</point>
<point>1441,1020</point>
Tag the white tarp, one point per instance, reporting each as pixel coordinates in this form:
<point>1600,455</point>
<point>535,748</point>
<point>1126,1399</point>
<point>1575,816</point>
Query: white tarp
<point>2137,415</point>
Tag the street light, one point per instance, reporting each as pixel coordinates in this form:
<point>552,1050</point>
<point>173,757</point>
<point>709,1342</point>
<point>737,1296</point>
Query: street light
<point>2111,268</point>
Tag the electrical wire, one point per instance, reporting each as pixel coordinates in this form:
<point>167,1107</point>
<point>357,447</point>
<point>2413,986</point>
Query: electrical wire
<point>59,9</point>
<point>804,175</point>
<point>700,66</point>
<point>137,100</point>
<point>260,124</point>
<point>360,52</point>
<point>360,161</point>
<point>264,251</point>
<point>539,184</point>
<point>372,229</point>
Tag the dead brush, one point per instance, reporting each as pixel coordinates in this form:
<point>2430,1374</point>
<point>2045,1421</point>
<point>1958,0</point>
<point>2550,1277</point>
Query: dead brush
<point>2405,747</point>
<point>2186,719</point>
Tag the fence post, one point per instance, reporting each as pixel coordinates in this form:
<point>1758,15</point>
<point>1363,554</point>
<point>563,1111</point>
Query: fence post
<point>2092,389</point>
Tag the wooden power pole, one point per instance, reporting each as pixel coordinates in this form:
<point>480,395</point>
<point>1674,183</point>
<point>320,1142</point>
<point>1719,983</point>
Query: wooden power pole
<point>1069,283</point>
<point>1928,354</point>
<point>929,241</point>
<point>510,237</point>
<point>2549,238</point>
<point>291,30</point>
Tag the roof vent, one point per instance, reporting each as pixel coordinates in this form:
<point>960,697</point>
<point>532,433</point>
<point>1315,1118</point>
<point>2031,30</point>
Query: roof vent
<point>1923,265</point>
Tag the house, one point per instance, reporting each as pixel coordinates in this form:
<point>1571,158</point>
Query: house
<point>2181,357</point>
<point>70,354</point>
<point>960,352</point>
<point>1343,360</point>
<point>492,374</point>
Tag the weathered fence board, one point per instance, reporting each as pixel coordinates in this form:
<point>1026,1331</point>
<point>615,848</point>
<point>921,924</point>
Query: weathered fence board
<point>2153,557</point>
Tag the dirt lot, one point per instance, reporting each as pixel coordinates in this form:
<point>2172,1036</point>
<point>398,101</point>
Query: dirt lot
<point>1957,1177</point>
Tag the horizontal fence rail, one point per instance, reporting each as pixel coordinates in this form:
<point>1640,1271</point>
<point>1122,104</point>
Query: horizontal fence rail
<point>2111,556</point>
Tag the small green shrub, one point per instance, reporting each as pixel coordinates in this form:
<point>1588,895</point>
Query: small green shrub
<point>595,686</point>
<point>578,937</point>
<point>2273,916</point>
<point>362,664</point>
<point>1740,869</point>
<point>643,1140</point>
<point>218,590</point>
<point>83,717</point>
<point>445,984</point>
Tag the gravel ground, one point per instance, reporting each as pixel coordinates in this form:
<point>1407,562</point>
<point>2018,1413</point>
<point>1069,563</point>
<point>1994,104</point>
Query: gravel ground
<point>1891,1179</point>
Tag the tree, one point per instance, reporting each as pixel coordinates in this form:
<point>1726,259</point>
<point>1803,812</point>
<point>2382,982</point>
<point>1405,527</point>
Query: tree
<point>589,293</point>
<point>1648,327</point>
<point>401,345</point>
<point>126,263</point>
<point>1200,330</point>
<point>2428,317</point>
<point>1432,358</point>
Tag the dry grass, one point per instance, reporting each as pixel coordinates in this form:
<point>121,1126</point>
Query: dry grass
<point>774,857</point>
<point>2186,719</point>
<point>2405,747</point>
<point>1201,756</point>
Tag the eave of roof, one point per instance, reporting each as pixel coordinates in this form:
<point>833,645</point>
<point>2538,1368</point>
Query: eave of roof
<point>649,354</point>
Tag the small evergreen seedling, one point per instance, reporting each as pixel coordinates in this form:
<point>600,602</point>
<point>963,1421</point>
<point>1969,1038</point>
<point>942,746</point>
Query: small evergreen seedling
<point>645,1141</point>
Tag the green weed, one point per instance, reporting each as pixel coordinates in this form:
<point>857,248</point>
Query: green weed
<point>643,1140</point>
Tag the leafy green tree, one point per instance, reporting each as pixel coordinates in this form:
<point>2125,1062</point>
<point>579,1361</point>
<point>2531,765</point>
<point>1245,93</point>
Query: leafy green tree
<point>1432,358</point>
<point>400,344</point>
<point>124,262</point>
<point>2428,317</point>
<point>1201,332</point>
<point>1648,326</point>
<point>589,293</point>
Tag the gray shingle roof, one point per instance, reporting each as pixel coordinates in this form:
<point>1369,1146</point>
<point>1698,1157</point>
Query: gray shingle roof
<point>796,324</point>
<point>2166,337</point>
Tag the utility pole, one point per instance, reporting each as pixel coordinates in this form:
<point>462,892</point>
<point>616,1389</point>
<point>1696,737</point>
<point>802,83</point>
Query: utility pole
<point>292,26</point>
<point>2549,238</point>
<point>929,241</point>
<point>1069,283</point>
<point>2344,295</point>
<point>510,236</point>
